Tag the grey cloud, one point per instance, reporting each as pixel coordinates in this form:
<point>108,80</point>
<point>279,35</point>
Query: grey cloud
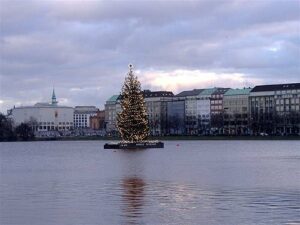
<point>88,44</point>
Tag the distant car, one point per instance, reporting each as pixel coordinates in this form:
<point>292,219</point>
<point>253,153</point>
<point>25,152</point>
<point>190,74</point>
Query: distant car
<point>263,134</point>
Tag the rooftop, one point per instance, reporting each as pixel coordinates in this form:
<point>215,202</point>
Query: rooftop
<point>39,105</point>
<point>113,98</point>
<point>208,91</point>
<point>276,87</point>
<point>194,92</point>
<point>150,94</point>
<point>45,104</point>
<point>243,91</point>
<point>85,109</point>
<point>221,91</point>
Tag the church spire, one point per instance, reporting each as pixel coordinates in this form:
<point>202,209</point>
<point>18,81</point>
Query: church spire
<point>54,102</point>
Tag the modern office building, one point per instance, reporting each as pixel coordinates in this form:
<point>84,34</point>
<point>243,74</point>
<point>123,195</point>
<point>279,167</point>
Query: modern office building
<point>216,110</point>
<point>176,117</point>
<point>197,110</point>
<point>112,108</point>
<point>235,111</point>
<point>274,109</point>
<point>82,116</point>
<point>44,116</point>
<point>191,113</point>
<point>204,110</point>
<point>216,101</point>
<point>156,103</point>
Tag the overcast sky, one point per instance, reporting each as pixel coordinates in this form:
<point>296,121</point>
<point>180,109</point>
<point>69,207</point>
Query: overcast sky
<point>83,48</point>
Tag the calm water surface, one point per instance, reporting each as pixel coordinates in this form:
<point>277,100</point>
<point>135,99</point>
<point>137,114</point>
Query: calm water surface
<point>187,182</point>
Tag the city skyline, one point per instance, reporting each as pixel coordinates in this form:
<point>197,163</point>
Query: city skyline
<point>82,48</point>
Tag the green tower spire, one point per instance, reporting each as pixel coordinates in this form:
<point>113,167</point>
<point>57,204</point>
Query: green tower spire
<point>54,102</point>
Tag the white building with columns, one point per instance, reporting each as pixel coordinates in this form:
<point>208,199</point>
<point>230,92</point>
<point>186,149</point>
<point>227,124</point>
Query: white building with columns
<point>44,116</point>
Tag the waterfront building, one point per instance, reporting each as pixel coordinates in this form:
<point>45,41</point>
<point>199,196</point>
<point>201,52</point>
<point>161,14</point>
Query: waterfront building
<point>176,117</point>
<point>190,109</point>
<point>274,109</point>
<point>236,109</point>
<point>156,104</point>
<point>97,122</point>
<point>82,116</point>
<point>44,116</point>
<point>216,101</point>
<point>216,107</point>
<point>204,111</point>
<point>112,108</point>
<point>197,110</point>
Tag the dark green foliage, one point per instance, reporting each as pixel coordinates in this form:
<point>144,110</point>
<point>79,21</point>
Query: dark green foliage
<point>6,129</point>
<point>24,132</point>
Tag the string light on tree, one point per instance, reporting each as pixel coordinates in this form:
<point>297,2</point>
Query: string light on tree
<point>132,121</point>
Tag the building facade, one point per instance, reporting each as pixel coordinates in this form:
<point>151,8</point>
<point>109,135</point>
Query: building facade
<point>197,110</point>
<point>236,110</point>
<point>112,108</point>
<point>216,100</point>
<point>204,111</point>
<point>82,116</point>
<point>156,104</point>
<point>176,117</point>
<point>216,107</point>
<point>97,122</point>
<point>44,116</point>
<point>191,107</point>
<point>274,109</point>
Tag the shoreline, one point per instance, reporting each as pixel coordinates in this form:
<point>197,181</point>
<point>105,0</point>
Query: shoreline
<point>175,138</point>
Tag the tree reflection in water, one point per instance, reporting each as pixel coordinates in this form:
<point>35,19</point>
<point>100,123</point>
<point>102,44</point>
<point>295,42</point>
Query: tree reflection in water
<point>133,199</point>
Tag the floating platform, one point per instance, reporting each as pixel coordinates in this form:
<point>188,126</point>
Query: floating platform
<point>138,145</point>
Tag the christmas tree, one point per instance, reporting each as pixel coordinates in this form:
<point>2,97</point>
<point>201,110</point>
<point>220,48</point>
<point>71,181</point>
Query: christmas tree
<point>132,122</point>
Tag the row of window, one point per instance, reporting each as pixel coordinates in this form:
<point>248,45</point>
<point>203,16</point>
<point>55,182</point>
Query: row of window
<point>54,128</point>
<point>217,96</point>
<point>80,119</point>
<point>287,108</point>
<point>287,101</point>
<point>80,116</point>
<point>235,102</point>
<point>287,96</point>
<point>287,92</point>
<point>216,101</point>
<point>52,123</point>
<point>213,107</point>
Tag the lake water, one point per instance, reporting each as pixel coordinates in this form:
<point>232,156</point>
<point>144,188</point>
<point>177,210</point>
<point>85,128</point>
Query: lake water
<point>187,182</point>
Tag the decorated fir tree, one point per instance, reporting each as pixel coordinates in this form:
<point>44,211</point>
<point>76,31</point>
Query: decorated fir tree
<point>132,121</point>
